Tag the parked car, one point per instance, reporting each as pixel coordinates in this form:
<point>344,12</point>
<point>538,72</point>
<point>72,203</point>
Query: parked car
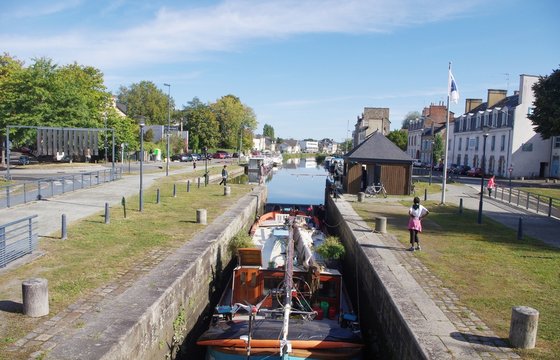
<point>417,163</point>
<point>461,169</point>
<point>474,172</point>
<point>219,155</point>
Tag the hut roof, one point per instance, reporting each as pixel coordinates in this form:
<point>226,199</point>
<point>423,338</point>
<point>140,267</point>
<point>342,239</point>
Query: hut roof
<point>377,148</point>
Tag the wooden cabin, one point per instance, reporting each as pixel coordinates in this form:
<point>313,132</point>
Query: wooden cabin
<point>378,160</point>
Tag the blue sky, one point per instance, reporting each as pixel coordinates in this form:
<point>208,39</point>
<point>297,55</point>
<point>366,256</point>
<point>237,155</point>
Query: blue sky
<point>307,68</point>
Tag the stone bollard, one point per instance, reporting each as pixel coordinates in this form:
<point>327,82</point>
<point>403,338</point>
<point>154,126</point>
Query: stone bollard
<point>361,196</point>
<point>227,190</point>
<point>381,224</point>
<point>201,216</point>
<point>523,327</point>
<point>35,294</point>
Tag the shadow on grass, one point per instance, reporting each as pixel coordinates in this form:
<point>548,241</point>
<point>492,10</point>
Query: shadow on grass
<point>11,306</point>
<point>480,339</point>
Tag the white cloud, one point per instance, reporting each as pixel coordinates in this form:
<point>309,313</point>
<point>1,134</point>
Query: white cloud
<point>174,33</point>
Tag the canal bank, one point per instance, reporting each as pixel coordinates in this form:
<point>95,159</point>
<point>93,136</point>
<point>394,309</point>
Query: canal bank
<point>150,318</point>
<point>414,320</point>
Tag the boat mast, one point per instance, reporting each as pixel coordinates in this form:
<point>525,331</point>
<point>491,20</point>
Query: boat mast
<point>285,346</point>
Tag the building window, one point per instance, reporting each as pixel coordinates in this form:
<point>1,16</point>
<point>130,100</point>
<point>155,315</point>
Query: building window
<point>493,143</point>
<point>466,161</point>
<point>467,144</point>
<point>458,159</point>
<point>475,161</point>
<point>527,147</point>
<point>477,142</point>
<point>557,142</point>
<point>460,144</point>
<point>503,143</point>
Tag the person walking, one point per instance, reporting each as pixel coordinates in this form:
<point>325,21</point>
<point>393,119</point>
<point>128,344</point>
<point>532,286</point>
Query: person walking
<point>224,176</point>
<point>491,184</point>
<point>416,212</point>
<point>194,164</point>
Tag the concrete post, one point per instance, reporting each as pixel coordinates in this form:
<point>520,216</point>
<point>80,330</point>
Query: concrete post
<point>201,216</point>
<point>523,327</point>
<point>227,190</point>
<point>63,231</point>
<point>361,195</point>
<point>381,224</point>
<point>107,215</point>
<point>35,295</point>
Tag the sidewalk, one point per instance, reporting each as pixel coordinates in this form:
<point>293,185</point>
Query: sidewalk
<point>538,226</point>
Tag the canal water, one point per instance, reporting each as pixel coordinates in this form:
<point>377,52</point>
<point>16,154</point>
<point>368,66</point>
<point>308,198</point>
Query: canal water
<point>298,182</point>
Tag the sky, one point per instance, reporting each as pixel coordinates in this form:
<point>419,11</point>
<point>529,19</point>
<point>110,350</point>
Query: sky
<point>308,68</point>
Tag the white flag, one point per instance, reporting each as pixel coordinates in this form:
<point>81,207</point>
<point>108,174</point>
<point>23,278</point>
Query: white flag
<point>453,90</point>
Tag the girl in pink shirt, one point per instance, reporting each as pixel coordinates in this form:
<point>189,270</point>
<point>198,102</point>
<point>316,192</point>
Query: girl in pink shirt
<point>416,212</point>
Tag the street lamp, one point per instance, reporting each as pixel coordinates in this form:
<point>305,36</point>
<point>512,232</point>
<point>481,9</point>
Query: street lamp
<point>485,130</point>
<point>141,123</point>
<point>168,126</point>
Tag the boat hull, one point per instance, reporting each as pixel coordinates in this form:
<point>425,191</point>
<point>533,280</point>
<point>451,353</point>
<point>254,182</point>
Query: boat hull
<point>223,353</point>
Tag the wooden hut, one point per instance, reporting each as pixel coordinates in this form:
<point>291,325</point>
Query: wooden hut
<point>378,160</point>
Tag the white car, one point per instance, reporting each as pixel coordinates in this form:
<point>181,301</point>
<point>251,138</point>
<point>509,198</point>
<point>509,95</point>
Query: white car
<point>417,163</point>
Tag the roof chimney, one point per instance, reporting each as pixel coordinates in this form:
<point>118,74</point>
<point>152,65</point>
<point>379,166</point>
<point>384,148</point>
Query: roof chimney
<point>495,96</point>
<point>471,104</point>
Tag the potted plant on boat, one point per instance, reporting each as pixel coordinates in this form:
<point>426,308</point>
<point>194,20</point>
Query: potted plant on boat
<point>331,250</point>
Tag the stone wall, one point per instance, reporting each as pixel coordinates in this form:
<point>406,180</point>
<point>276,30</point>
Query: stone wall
<point>390,302</point>
<point>150,319</point>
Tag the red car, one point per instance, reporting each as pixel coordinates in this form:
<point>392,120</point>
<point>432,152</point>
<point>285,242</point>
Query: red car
<point>219,155</point>
<point>475,172</point>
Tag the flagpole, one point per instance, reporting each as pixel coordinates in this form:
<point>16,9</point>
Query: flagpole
<point>444,181</point>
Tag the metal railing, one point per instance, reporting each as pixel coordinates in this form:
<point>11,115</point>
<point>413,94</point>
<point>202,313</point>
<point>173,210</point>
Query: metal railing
<point>17,238</point>
<point>22,193</point>
<point>530,201</point>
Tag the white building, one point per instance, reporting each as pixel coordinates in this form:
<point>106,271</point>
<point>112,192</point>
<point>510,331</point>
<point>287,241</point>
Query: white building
<point>307,146</point>
<point>512,146</point>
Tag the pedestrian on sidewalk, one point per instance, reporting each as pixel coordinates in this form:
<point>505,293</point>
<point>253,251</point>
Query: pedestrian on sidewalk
<point>224,176</point>
<point>416,212</point>
<point>491,184</point>
<point>194,164</point>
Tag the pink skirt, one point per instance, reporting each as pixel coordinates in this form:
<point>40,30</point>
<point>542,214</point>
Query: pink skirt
<point>414,224</point>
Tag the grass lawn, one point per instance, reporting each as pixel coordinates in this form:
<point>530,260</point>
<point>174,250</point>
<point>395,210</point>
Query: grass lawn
<point>95,252</point>
<point>487,267</point>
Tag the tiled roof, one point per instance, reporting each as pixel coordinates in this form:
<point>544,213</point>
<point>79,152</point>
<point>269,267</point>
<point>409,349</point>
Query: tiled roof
<point>377,148</point>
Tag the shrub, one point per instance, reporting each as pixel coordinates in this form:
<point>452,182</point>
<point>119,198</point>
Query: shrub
<point>331,249</point>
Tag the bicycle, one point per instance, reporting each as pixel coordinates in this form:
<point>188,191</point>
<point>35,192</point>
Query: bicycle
<point>374,190</point>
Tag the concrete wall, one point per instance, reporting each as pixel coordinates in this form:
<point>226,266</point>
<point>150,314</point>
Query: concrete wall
<point>390,302</point>
<point>158,310</point>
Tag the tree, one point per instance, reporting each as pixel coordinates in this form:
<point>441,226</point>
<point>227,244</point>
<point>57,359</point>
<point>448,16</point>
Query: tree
<point>399,138</point>
<point>145,99</point>
<point>202,125</point>
<point>412,115</point>
<point>232,115</point>
<point>437,149</point>
<point>546,113</point>
<point>268,131</point>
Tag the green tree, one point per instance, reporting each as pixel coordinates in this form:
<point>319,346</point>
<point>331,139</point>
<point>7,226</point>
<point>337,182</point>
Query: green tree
<point>232,115</point>
<point>345,146</point>
<point>399,138</point>
<point>145,99</point>
<point>546,113</point>
<point>437,149</point>
<point>268,131</point>
<point>410,116</point>
<point>202,125</point>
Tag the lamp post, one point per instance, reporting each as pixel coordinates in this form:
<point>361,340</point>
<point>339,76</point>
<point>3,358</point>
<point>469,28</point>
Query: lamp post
<point>141,198</point>
<point>485,130</point>
<point>168,126</point>
<point>431,142</point>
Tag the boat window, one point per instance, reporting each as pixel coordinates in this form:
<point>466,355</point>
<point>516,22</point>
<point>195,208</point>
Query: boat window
<point>271,283</point>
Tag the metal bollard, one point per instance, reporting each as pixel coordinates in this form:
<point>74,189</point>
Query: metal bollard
<point>63,232</point>
<point>460,205</point>
<point>188,185</point>
<point>107,215</point>
<point>199,183</point>
<point>157,196</point>
<point>520,229</point>
<point>425,194</point>
<point>174,190</point>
